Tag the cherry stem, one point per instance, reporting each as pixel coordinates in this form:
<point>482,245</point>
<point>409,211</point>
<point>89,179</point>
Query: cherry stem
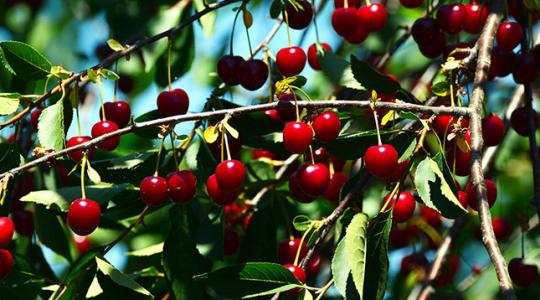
<point>227,146</point>
<point>377,126</point>
<point>222,148</point>
<point>391,196</point>
<point>46,88</point>
<point>169,47</point>
<point>100,85</point>
<point>296,107</point>
<point>522,244</point>
<point>311,152</point>
<point>301,92</point>
<point>176,163</point>
<point>315,22</point>
<point>115,82</point>
<point>452,103</point>
<point>161,146</point>
<point>288,28</point>
<point>297,257</point>
<point>83,169</point>
<point>249,41</point>
<point>231,42</point>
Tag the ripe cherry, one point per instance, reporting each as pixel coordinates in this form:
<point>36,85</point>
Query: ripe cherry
<point>77,155</point>
<point>259,153</point>
<point>525,68</point>
<point>502,62</point>
<point>252,74</point>
<point>297,137</point>
<point>288,248</point>
<point>381,160</point>
<point>459,161</point>
<point>218,195</point>
<point>452,17</point>
<point>119,112</point>
<point>314,265</point>
<point>24,222</point>
<point>463,199</point>
<point>522,274</point>
<point>337,181</point>
<point>291,61</point>
<point>519,121</point>
<point>358,36</point>
<point>182,186</point>
<point>399,237</point>
<point>492,130</point>
<point>431,216</point>
<point>425,30</point>
<point>373,16</point>
<point>296,189</point>
<point>403,208</point>
<point>435,48</point>
<point>345,20</point>
<point>82,243</point>
<point>491,191</point>
<point>6,231</point>
<point>312,57</point>
<point>509,35</point>
<point>411,3</point>
<point>286,111</point>
<point>327,127</point>
<point>231,242</point>
<point>398,172</point>
<point>172,103</point>
<point>6,263</point>
<point>230,174</point>
<point>83,216</point>
<point>320,155</point>
<point>153,190</point>
<point>314,179</point>
<point>34,118</point>
<point>300,274</point>
<point>102,128</point>
<point>126,83</point>
<point>228,68</point>
<point>351,3</point>
<point>502,229</point>
<point>299,18</point>
<point>476,17</point>
<point>444,124</point>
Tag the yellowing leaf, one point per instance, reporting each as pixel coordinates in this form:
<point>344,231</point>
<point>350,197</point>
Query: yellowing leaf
<point>388,117</point>
<point>8,105</point>
<point>374,95</point>
<point>211,134</point>
<point>248,18</point>
<point>92,173</point>
<point>115,45</point>
<point>231,130</point>
<point>451,64</point>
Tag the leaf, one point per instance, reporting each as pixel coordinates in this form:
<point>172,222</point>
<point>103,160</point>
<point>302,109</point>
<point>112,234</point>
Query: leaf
<point>207,21</point>
<point>355,248</point>
<point>247,17</point>
<point>148,251</point>
<point>371,79</point>
<point>276,8</point>
<point>262,223</point>
<point>231,130</point>
<point>338,70</point>
<point>250,279</point>
<point>119,277</point>
<point>115,45</point>
<point>23,60</point>
<point>301,223</point>
<point>51,233</point>
<point>92,173</point>
<point>51,127</point>
<point>109,74</point>
<point>9,156</point>
<point>92,75</point>
<point>210,236</point>
<point>307,295</point>
<point>407,154</point>
<point>377,257</point>
<point>441,89</point>
<point>211,134</point>
<point>8,105</point>
<point>340,268</point>
<point>389,116</point>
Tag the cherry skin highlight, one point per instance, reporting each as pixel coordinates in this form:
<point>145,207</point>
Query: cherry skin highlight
<point>476,17</point>
<point>314,179</point>
<point>83,216</point>
<point>6,231</point>
<point>153,190</point>
<point>452,17</point>
<point>373,16</point>
<point>300,274</point>
<point>509,35</point>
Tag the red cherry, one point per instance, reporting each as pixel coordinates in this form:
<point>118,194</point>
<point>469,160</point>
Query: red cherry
<point>172,103</point>
<point>351,3</point>
<point>296,189</point>
<point>218,195</point>
<point>313,59</point>
<point>519,121</point>
<point>319,156</point>
<point>82,243</point>
<point>444,125</point>
<point>431,216</point>
<point>425,30</point>
<point>314,265</point>
<point>286,111</point>
<point>234,213</point>
<point>34,118</point>
<point>459,161</point>
<point>509,35</point>
<point>83,216</point>
<point>522,274</point>
<point>491,190</point>
<point>119,112</point>
<point>291,61</point>
<point>452,17</point>
<point>398,237</point>
<point>358,36</point>
<point>77,155</point>
<point>492,130</point>
<point>398,172</point>
<point>228,68</point>
<point>411,3</point>
<point>501,62</point>
<point>403,208</point>
<point>412,262</point>
<point>345,20</point>
<point>476,17</point>
<point>182,186</point>
<point>381,160</point>
<point>234,146</point>
<point>23,221</point>
<point>297,137</point>
<point>314,179</point>
<point>153,190</point>
<point>373,16</point>
<point>463,199</point>
<point>502,229</point>
<point>327,127</point>
<point>300,274</point>
<point>337,181</point>
<point>6,263</point>
<point>231,242</point>
<point>102,128</point>
<point>435,48</point>
<point>299,18</point>
<point>258,154</point>
<point>252,74</point>
<point>525,68</point>
<point>230,174</point>
<point>126,83</point>
<point>6,231</point>
<point>288,248</point>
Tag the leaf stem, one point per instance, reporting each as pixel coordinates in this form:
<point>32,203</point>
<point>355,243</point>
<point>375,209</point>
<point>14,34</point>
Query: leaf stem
<point>169,77</point>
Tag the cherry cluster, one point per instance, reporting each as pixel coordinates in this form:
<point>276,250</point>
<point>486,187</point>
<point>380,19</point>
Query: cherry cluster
<point>354,22</point>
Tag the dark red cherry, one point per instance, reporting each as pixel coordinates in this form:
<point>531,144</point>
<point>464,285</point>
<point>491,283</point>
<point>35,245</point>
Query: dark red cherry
<point>119,112</point>
<point>297,137</point>
<point>444,124</point>
<point>492,130</point>
<point>252,74</point>
<point>228,69</point>
<point>345,20</point>
<point>337,181</point>
<point>319,155</point>
<point>452,17</point>
<point>231,242</point>
<point>288,248</point>
<point>351,3</point>
<point>458,161</point>
<point>358,36</point>
<point>34,118</point>
<point>6,231</point>
<point>126,83</point>
<point>522,274</point>
<point>77,155</point>
<point>381,160</point>
<point>327,127</point>
<point>525,68</point>
<point>502,229</point>
<point>172,103</point>
<point>230,174</point>
<point>314,179</point>
<point>431,216</point>
<point>491,191</point>
<point>153,190</point>
<point>502,62</point>
<point>6,263</point>
<point>296,189</point>
<point>218,195</point>
<point>23,221</point>
<point>83,216</point>
<point>403,208</point>
<point>102,128</point>
<point>398,172</point>
<point>398,237</point>
<point>234,146</point>
<point>519,121</point>
<point>373,16</point>
<point>476,17</point>
<point>425,30</point>
<point>313,59</point>
<point>314,265</point>
<point>412,262</point>
<point>299,17</point>
<point>286,111</point>
<point>291,61</point>
<point>258,154</point>
<point>509,35</point>
<point>435,48</point>
<point>300,274</point>
<point>182,186</point>
<point>463,199</point>
<point>411,3</point>
<point>82,243</point>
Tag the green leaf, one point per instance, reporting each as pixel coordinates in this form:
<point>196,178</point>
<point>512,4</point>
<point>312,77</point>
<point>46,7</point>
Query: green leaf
<point>80,275</point>
<point>8,105</point>
<point>92,173</point>
<point>148,251</point>
<point>115,45</point>
<point>119,277</point>
<point>377,256</point>
<point>340,267</point>
<point>352,146</point>
<point>51,233</point>
<point>208,21</point>
<point>441,88</point>
<point>301,223</point>
<point>250,279</point>
<point>150,133</point>
<point>262,223</point>
<point>276,8</point>
<point>9,156</point>
<point>109,74</point>
<point>210,236</point>
<point>23,60</point>
<point>371,79</point>
<point>355,248</point>
<point>407,154</point>
<point>338,70</point>
<point>51,131</point>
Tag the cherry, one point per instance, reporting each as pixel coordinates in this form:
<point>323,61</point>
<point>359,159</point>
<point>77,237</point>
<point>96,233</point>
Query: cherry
<point>23,221</point>
<point>358,36</point>
<point>182,186</point>
<point>381,160</point>
<point>312,57</point>
<point>286,111</point>
<point>397,173</point>
<point>491,190</point>
<point>291,61</point>
<point>411,3</point>
<point>413,261</point>
<point>476,17</point>
<point>172,103</point>
<point>501,62</point>
<point>351,3</point>
<point>452,17</point>
<point>399,237</point>
<point>258,154</point>
<point>126,83</point>
<point>296,188</point>
<point>119,112</point>
<point>299,18</point>
<point>252,74</point>
<point>522,274</point>
<point>501,228</point>
<point>297,137</point>
<point>314,265</point>
<point>337,181</point>
<point>231,242</point>
<point>34,118</point>
<point>300,274</point>
<point>288,248</point>
<point>314,179</point>
<point>82,243</point>
<point>519,121</point>
<point>435,48</point>
<point>492,130</point>
<point>444,124</point>
<point>6,231</point>
<point>228,68</point>
<point>509,35</point>
<point>403,207</point>
<point>431,216</point>
<point>6,263</point>
<point>83,216</point>
<point>463,199</point>
<point>153,190</point>
<point>102,128</point>
<point>425,30</point>
<point>327,127</point>
<point>525,68</point>
<point>233,213</point>
<point>373,16</point>
<point>319,156</point>
<point>345,20</point>
<point>230,174</point>
<point>218,195</point>
<point>459,161</point>
<point>77,155</point>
